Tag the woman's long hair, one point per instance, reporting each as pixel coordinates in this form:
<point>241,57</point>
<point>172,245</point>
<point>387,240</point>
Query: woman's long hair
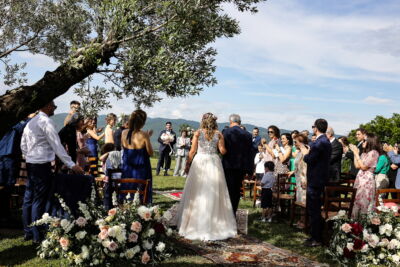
<point>209,123</point>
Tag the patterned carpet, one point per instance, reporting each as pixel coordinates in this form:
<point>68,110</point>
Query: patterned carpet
<point>242,250</point>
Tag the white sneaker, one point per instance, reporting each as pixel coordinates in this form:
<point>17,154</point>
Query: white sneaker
<point>269,220</point>
<point>263,220</point>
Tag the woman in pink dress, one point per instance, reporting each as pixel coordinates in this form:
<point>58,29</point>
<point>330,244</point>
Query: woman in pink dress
<point>365,181</point>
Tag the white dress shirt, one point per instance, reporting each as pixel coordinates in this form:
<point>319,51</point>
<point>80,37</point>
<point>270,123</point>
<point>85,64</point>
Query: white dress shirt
<point>259,163</point>
<point>40,142</point>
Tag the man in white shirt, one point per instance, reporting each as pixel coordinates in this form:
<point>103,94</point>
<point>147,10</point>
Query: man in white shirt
<point>39,144</point>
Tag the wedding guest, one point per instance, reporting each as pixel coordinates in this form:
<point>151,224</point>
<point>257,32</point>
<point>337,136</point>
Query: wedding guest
<point>293,156</point>
<point>300,172</point>
<point>313,138</point>
<point>39,144</point>
<point>10,160</point>
<point>74,108</point>
<point>256,139</point>
<point>365,183</point>
<point>137,151</point>
<point>360,136</point>
<point>167,140</point>
<point>317,157</point>
<point>111,160</point>
<point>81,139</point>
<point>346,162</point>
<point>284,153</point>
<point>306,133</point>
<point>118,132</point>
<point>68,135</point>
<point>93,138</point>
<point>273,133</point>
<point>382,170</point>
<point>263,141</point>
<point>267,182</point>
<point>395,160</point>
<point>259,161</point>
<point>182,152</point>
<point>111,119</point>
<point>335,165</point>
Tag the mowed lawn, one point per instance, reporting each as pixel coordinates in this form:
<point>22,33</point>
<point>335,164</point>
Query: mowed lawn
<point>14,251</point>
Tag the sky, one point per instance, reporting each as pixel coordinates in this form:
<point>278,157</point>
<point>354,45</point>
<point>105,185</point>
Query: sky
<point>294,61</point>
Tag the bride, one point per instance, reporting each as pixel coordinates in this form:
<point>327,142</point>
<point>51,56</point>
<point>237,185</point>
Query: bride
<point>205,211</point>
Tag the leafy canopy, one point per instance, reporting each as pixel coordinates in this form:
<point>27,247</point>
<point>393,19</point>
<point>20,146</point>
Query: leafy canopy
<point>153,46</point>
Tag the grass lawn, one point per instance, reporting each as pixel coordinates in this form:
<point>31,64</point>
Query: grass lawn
<point>14,251</point>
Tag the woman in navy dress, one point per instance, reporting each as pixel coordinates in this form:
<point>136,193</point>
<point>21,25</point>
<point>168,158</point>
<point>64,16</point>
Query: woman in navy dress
<point>91,141</point>
<point>137,151</point>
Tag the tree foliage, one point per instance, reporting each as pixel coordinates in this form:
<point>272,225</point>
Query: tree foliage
<point>141,47</point>
<point>387,129</point>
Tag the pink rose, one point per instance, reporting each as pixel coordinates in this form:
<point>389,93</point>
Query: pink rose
<point>133,237</point>
<point>112,246</point>
<point>103,234</point>
<point>112,212</point>
<point>346,228</point>
<point>147,215</point>
<point>64,242</point>
<point>145,257</point>
<point>375,221</point>
<point>81,222</point>
<point>136,227</point>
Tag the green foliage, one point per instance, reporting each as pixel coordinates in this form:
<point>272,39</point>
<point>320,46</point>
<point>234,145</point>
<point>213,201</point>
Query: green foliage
<point>387,129</point>
<point>141,47</point>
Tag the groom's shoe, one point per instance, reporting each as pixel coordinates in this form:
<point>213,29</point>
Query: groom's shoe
<point>166,173</point>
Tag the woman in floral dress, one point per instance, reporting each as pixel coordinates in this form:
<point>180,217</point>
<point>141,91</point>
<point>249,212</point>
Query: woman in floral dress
<point>365,181</point>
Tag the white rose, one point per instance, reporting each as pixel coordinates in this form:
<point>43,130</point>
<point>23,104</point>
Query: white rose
<point>144,213</point>
<point>339,250</point>
<point>160,247</point>
<point>397,234</point>
<point>80,235</point>
<point>169,232</point>
<point>341,213</point>
<point>393,244</point>
<point>167,215</point>
<point>147,244</point>
<point>85,252</point>
<point>373,240</point>
<point>396,259</point>
<point>381,256</point>
<point>78,260</point>
<point>150,232</point>
<point>45,243</point>
<point>350,246</point>
<point>105,243</point>
<point>395,209</point>
<point>64,223</point>
<point>365,248</point>
<point>129,254</point>
<point>42,255</point>
<point>46,217</point>
<point>386,229</point>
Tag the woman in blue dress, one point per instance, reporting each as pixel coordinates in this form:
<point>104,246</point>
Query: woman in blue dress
<point>137,151</point>
<point>93,138</point>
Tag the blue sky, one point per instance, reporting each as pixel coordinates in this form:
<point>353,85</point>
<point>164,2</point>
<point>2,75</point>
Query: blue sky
<point>294,61</point>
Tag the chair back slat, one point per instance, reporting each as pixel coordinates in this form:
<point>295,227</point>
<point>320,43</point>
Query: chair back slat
<point>385,199</point>
<point>343,196</point>
<point>143,192</point>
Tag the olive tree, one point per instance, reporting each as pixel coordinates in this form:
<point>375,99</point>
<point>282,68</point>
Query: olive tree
<point>141,47</point>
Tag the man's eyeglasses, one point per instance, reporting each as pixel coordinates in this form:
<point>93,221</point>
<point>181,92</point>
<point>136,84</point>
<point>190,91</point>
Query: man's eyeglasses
<point>313,126</point>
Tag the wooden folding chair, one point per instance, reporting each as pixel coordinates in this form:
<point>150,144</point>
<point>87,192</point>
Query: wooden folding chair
<point>338,198</point>
<point>247,183</point>
<point>385,198</point>
<point>256,192</point>
<point>93,166</point>
<point>18,191</point>
<point>284,192</point>
<point>142,191</point>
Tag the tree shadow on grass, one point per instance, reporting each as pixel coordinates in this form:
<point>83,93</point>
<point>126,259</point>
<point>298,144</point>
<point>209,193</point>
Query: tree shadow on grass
<point>17,255</point>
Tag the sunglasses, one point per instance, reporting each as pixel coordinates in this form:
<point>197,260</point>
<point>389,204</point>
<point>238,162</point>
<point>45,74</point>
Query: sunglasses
<point>313,126</point>
<point>271,132</point>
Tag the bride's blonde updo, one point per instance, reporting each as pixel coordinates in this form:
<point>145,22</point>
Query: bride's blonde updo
<point>209,123</point>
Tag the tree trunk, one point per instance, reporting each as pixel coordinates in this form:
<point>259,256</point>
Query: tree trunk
<point>18,103</point>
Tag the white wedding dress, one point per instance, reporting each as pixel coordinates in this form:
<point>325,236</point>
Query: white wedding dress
<point>205,211</point>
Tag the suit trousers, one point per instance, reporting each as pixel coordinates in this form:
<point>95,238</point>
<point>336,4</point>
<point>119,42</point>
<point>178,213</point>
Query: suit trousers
<point>36,196</point>
<point>234,180</point>
<point>314,202</point>
<point>164,157</point>
<point>180,163</point>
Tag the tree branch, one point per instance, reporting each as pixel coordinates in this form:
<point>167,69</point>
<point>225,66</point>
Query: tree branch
<point>6,53</point>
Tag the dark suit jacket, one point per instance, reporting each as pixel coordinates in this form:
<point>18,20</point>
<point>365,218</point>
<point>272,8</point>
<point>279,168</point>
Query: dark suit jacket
<point>335,165</point>
<point>318,162</point>
<point>164,146</point>
<point>117,138</point>
<point>350,155</point>
<point>238,143</point>
<point>256,142</point>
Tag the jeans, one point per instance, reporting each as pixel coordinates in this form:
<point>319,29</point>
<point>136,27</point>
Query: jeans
<point>35,198</point>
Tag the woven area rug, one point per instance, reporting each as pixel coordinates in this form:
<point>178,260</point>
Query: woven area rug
<point>173,194</point>
<point>247,251</point>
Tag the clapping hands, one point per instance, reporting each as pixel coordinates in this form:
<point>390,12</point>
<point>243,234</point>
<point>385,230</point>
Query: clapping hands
<point>355,149</point>
<point>387,148</point>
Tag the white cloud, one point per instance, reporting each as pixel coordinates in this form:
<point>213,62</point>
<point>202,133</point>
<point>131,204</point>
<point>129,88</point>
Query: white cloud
<point>377,100</point>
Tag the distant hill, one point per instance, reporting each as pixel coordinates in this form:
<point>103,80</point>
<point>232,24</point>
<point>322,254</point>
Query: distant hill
<point>158,124</point>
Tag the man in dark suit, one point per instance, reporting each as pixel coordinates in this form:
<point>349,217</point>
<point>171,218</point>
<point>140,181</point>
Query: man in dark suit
<point>165,149</point>
<point>237,161</point>
<point>360,136</point>
<point>118,132</point>
<point>256,140</point>
<point>317,158</point>
<point>335,165</point>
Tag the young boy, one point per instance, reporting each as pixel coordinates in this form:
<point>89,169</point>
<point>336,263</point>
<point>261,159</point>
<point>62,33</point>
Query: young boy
<point>267,182</point>
<point>259,162</point>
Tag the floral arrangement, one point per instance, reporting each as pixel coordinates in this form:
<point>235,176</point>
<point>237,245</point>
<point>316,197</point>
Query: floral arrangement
<point>167,137</point>
<point>374,239</point>
<point>129,234</point>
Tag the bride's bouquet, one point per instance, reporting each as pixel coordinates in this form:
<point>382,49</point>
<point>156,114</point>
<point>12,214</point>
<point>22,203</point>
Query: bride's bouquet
<point>125,235</point>
<point>167,137</point>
